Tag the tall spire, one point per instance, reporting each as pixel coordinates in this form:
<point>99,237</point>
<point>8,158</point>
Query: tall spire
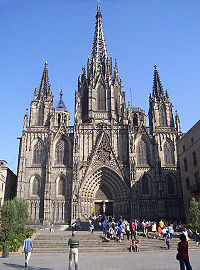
<point>99,52</point>
<point>157,86</point>
<point>61,104</point>
<point>44,85</point>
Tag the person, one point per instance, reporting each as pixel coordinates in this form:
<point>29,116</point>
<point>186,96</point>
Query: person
<point>168,238</point>
<point>27,247</point>
<point>73,253</point>
<point>161,224</point>
<point>52,228</point>
<point>73,226</point>
<point>182,255</point>
<point>196,237</point>
<point>137,246</point>
<point>171,230</point>
<point>132,246</point>
<point>153,228</point>
<point>185,232</point>
<point>91,226</point>
<point>159,231</point>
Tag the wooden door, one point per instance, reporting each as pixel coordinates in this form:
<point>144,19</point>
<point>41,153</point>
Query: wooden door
<point>109,209</point>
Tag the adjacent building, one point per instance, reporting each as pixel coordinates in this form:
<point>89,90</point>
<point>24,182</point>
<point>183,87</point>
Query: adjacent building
<point>109,162</point>
<point>8,183</point>
<point>189,158</point>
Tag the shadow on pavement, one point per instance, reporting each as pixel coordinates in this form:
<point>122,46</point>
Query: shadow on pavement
<point>17,266</point>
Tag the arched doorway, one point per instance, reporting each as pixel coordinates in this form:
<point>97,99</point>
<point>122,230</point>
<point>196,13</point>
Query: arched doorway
<point>103,201</point>
<point>104,192</point>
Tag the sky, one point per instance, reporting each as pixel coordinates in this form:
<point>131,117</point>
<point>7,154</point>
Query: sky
<point>138,34</point>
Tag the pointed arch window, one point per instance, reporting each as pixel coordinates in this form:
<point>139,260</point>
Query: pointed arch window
<point>35,186</point>
<point>101,98</point>
<point>135,120</point>
<point>194,156</point>
<point>162,116</point>
<point>40,115</point>
<point>37,153</point>
<point>168,154</point>
<point>145,186</point>
<point>61,186</point>
<point>170,185</point>
<point>62,153</point>
<point>142,154</point>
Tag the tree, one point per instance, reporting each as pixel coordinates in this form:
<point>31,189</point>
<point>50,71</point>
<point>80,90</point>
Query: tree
<point>194,212</point>
<point>14,217</point>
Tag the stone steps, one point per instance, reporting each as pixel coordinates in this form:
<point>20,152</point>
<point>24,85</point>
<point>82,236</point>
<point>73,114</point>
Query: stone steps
<point>58,243</point>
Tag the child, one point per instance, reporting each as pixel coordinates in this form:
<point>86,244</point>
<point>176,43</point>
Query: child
<point>137,246</point>
<point>132,246</point>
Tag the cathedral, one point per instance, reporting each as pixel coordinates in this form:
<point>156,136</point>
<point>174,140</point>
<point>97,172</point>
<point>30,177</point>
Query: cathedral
<point>109,162</point>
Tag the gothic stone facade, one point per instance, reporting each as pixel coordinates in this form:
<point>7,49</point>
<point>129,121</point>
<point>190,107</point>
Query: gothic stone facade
<point>109,162</point>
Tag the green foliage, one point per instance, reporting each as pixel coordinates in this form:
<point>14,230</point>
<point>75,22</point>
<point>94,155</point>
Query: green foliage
<point>194,227</point>
<point>194,212</point>
<point>14,217</point>
<point>17,240</point>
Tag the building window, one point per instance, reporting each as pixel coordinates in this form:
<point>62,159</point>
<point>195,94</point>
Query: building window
<point>41,116</point>
<point>35,187</point>
<point>37,153</point>
<point>101,98</point>
<point>162,116</point>
<point>59,119</point>
<point>135,120</point>
<point>194,156</point>
<point>142,154</point>
<point>170,185</point>
<point>62,153</point>
<point>183,147</point>
<point>145,185</point>
<point>185,164</point>
<point>188,184</point>
<point>192,140</point>
<point>61,186</point>
<point>168,154</point>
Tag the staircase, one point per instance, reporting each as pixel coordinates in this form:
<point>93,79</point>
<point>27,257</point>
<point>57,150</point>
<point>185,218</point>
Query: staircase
<point>57,242</point>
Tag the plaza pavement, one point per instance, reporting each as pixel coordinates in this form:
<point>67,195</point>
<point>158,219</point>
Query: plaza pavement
<point>149,260</point>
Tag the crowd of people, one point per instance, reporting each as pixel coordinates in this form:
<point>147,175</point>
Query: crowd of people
<point>119,229</point>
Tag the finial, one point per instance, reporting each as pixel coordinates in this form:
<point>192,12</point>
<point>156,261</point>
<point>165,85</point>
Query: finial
<point>61,94</point>
<point>46,63</point>
<point>155,66</point>
<point>98,5</point>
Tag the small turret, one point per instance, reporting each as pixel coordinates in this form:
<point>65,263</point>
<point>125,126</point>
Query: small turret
<point>177,121</point>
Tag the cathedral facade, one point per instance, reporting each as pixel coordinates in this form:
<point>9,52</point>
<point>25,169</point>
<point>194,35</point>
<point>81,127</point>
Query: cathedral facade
<point>109,162</point>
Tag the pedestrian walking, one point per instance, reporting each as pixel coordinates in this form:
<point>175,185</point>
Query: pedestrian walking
<point>52,228</point>
<point>27,247</point>
<point>182,254</point>
<point>168,238</point>
<point>73,253</point>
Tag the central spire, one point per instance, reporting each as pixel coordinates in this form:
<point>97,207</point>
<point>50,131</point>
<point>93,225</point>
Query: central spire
<point>99,52</point>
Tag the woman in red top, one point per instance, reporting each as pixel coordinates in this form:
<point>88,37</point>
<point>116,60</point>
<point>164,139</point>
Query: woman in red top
<point>182,255</point>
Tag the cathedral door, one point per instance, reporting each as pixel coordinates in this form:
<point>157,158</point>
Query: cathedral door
<point>98,208</point>
<point>109,209</point>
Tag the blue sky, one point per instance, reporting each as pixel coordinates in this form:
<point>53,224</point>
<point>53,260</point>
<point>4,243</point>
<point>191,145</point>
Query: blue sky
<point>138,34</point>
